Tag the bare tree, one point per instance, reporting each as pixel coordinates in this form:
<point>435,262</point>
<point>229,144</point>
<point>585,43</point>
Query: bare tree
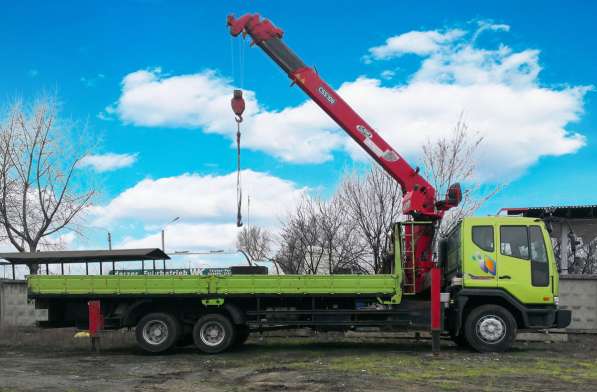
<point>320,239</point>
<point>305,226</point>
<point>451,159</point>
<point>354,227</point>
<point>343,249</point>
<point>39,195</point>
<point>291,255</point>
<point>373,204</point>
<point>256,242</point>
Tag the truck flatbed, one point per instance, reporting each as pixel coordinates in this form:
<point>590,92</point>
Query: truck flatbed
<point>114,285</point>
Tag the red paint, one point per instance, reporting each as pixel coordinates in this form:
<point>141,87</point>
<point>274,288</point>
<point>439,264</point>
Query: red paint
<point>259,30</point>
<point>436,310</point>
<point>96,320</point>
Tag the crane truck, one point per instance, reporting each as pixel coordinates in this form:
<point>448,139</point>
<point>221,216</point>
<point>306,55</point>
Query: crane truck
<point>491,276</point>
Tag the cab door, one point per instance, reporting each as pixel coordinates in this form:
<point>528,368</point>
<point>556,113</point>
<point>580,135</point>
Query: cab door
<point>479,259</point>
<point>523,269</point>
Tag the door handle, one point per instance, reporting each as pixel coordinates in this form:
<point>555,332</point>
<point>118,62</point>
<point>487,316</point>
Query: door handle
<point>505,277</point>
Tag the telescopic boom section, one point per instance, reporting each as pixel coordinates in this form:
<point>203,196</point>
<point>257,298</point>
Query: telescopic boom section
<point>419,196</point>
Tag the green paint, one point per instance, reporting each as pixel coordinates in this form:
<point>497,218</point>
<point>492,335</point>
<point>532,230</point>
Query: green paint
<point>222,285</point>
<point>213,302</point>
<point>511,273</point>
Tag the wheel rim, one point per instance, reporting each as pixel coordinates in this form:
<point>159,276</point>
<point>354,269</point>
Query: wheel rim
<point>212,333</point>
<point>491,329</point>
<point>155,332</point>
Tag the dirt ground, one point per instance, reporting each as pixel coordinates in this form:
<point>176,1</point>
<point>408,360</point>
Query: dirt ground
<point>51,360</point>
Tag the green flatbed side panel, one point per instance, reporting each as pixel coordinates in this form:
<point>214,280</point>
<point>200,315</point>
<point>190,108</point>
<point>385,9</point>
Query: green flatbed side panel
<point>225,285</point>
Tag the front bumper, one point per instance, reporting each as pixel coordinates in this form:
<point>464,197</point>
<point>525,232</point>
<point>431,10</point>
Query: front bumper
<point>563,318</point>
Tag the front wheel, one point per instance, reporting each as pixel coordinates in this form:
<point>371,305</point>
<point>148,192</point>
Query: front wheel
<point>213,333</point>
<point>490,328</point>
<point>157,332</point>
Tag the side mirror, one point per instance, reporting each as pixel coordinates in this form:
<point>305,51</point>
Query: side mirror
<point>453,198</point>
<point>454,194</point>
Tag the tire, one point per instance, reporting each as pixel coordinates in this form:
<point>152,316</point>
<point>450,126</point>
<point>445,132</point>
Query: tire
<point>242,334</point>
<point>157,332</point>
<point>214,333</point>
<point>490,328</point>
<point>459,340</point>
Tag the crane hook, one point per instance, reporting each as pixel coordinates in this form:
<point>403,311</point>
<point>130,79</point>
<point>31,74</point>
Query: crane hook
<point>238,105</point>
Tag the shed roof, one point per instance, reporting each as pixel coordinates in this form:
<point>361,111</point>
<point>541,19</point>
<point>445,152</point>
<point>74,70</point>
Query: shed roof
<point>84,256</point>
<point>588,211</point>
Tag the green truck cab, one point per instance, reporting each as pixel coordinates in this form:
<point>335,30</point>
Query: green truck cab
<point>502,276</point>
<point>499,276</point>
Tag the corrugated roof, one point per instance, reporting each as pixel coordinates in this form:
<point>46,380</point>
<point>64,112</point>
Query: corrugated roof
<point>588,211</point>
<point>82,256</point>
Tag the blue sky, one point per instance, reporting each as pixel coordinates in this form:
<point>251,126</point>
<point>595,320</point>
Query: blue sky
<point>129,69</point>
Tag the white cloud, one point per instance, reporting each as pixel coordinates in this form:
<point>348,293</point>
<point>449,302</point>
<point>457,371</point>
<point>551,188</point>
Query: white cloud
<point>519,126</point>
<point>387,74</point>
<point>197,198</point>
<point>188,236</point>
<point>489,26</point>
<point>92,81</point>
<point>202,100</point>
<point>497,89</point>
<point>108,162</point>
<point>415,42</point>
<point>206,206</point>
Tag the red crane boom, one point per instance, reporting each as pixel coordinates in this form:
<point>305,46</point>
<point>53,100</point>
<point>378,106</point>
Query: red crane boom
<point>419,196</point>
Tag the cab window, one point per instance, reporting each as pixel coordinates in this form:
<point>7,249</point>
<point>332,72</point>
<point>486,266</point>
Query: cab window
<point>514,241</point>
<point>538,251</point>
<point>483,237</point>
<point>453,251</point>
<point>539,266</point>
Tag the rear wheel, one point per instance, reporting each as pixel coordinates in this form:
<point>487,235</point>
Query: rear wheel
<point>242,334</point>
<point>157,332</point>
<point>213,333</point>
<point>490,328</point>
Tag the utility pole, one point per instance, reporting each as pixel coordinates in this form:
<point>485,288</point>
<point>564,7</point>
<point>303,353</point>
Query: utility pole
<point>248,210</point>
<point>163,233</point>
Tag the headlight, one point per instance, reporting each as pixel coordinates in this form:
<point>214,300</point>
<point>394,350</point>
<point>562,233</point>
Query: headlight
<point>556,300</point>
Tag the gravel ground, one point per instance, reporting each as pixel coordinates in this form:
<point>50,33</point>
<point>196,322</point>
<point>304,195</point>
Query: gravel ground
<point>50,360</point>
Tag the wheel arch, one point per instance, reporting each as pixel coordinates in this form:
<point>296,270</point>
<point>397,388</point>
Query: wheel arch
<point>469,299</point>
<point>235,313</point>
<point>135,311</point>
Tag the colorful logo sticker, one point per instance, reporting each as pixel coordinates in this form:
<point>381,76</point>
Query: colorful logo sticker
<point>486,263</point>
